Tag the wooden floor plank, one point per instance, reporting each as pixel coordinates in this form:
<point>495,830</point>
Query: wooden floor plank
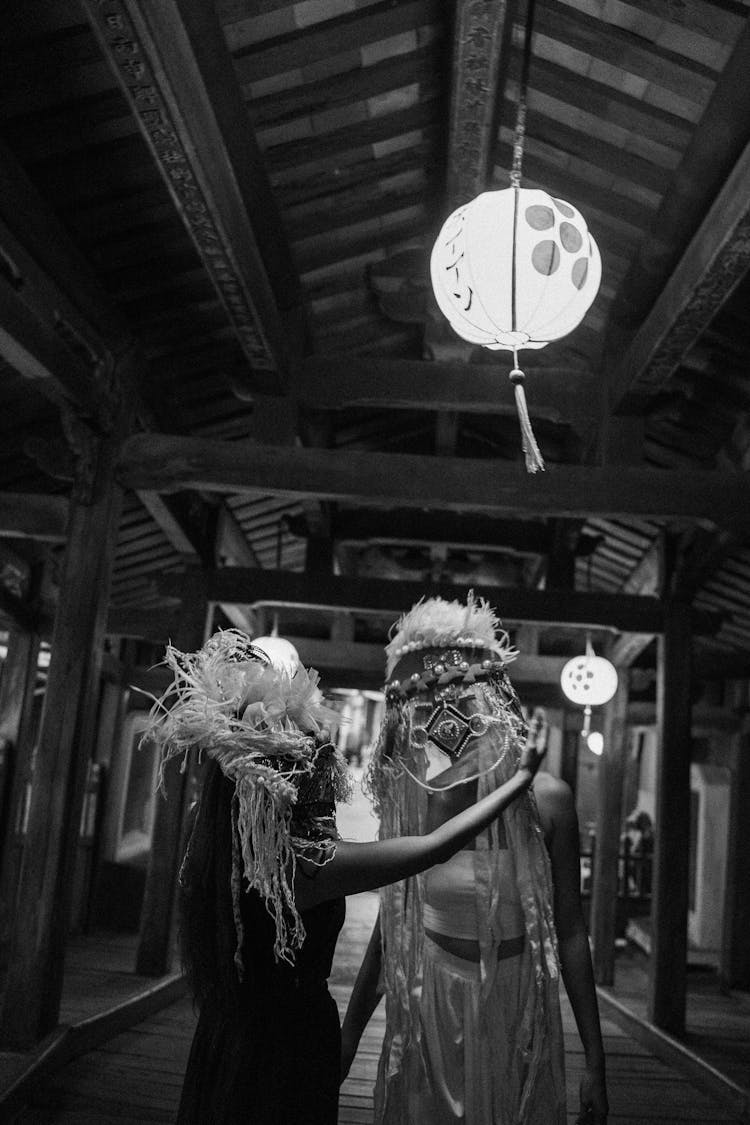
<point>136,1077</point>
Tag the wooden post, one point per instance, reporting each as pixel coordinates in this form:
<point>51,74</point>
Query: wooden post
<point>571,742</point>
<point>154,956</point>
<point>735,954</point>
<point>608,821</point>
<point>37,942</point>
<point>669,909</point>
<point>16,705</point>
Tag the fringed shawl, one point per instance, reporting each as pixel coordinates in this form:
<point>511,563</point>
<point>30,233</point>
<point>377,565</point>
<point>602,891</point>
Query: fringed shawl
<point>267,729</point>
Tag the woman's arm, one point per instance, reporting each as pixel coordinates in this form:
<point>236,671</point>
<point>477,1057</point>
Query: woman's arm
<point>558,810</point>
<point>363,867</point>
<point>363,1001</point>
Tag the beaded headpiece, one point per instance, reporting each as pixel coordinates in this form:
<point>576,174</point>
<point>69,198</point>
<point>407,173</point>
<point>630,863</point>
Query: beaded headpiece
<point>267,727</point>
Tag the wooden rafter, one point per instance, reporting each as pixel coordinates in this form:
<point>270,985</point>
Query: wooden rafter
<point>680,283</point>
<point>173,66</point>
<point>717,259</point>
<point>167,464</point>
<point>49,304</point>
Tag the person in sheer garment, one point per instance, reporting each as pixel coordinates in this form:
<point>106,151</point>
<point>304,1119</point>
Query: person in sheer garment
<point>469,954</point>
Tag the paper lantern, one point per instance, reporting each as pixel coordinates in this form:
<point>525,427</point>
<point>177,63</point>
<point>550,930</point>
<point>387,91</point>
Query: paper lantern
<point>595,743</point>
<point>589,681</point>
<point>282,654</point>
<point>515,269</point>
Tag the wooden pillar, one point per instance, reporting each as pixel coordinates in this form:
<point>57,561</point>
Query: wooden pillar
<point>37,942</point>
<point>154,956</point>
<point>571,744</point>
<point>735,953</point>
<point>669,909</point>
<point>608,822</point>
<point>16,708</point>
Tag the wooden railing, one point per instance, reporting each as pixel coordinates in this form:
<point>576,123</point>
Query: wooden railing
<point>633,876</point>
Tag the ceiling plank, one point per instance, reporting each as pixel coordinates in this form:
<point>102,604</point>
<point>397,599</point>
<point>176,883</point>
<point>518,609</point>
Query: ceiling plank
<point>168,463</point>
<point>623,612</point>
<point>174,68</point>
<point>562,394</point>
<point>31,515</point>
<point>714,263</point>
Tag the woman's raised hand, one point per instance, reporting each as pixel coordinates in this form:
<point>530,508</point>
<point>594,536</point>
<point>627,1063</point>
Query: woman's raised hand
<point>536,742</point>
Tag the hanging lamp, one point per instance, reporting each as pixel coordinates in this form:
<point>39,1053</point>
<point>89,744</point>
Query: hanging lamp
<point>516,268</point>
<point>588,681</point>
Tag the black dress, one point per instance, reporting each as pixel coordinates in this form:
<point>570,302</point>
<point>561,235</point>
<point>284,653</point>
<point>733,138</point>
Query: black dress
<point>273,1058</point>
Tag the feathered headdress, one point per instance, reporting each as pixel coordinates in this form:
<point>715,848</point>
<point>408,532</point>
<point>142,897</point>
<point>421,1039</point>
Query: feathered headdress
<point>268,730</point>
<point>434,622</point>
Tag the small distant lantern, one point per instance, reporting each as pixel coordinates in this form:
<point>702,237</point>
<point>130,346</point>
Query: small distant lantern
<point>516,268</point>
<point>589,681</point>
<point>595,743</point>
<point>282,654</point>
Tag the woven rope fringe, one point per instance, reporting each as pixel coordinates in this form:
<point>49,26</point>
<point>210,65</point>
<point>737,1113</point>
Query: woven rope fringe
<point>532,456</point>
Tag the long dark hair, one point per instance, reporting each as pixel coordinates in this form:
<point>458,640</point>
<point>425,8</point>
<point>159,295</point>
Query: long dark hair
<point>206,924</point>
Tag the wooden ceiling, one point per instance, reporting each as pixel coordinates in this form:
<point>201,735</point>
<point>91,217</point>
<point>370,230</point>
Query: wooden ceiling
<point>223,212</point>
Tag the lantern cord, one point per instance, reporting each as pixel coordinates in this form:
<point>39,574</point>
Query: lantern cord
<point>519,133</point>
<point>532,456</point>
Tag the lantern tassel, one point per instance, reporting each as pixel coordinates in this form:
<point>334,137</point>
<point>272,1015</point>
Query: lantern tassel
<point>532,456</point>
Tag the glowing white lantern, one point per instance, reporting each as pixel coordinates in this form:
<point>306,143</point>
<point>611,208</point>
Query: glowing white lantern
<point>595,742</point>
<point>589,681</point>
<point>282,654</point>
<point>515,269</point>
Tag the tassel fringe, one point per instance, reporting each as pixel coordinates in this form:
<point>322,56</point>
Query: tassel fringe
<point>532,456</point>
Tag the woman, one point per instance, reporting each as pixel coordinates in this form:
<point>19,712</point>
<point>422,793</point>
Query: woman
<point>263,881</point>
<point>469,956</point>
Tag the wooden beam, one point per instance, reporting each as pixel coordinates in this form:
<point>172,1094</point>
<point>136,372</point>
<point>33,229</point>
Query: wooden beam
<point>366,595</point>
<point>35,351</point>
<point>165,518</point>
<point>32,515</point>
<point>561,394</point>
<point>713,149</point>
<point>644,579</point>
<point>711,268</point>
<point>467,532</point>
<point>481,39</point>
<point>48,269</point>
<point>169,463</point>
<point>172,63</point>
